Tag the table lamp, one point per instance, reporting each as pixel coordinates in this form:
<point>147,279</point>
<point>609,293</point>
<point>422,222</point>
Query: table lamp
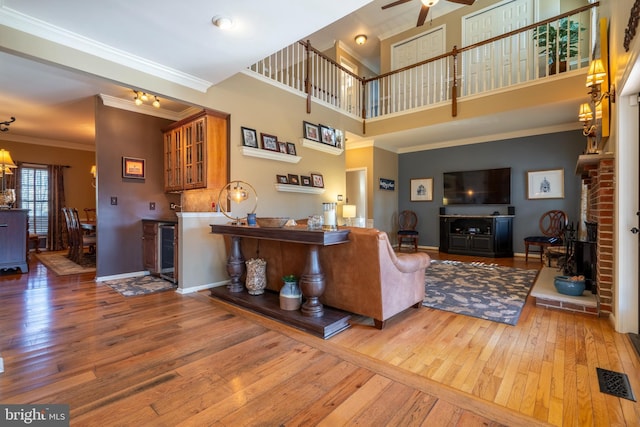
<point>348,212</point>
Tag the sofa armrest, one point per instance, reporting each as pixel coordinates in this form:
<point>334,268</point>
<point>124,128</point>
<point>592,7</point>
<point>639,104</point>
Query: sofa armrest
<point>406,263</point>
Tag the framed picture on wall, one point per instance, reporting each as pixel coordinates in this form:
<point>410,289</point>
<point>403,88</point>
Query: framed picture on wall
<point>269,142</point>
<point>545,184</point>
<point>133,168</point>
<point>311,131</point>
<point>305,181</point>
<point>317,180</point>
<point>249,137</point>
<point>422,190</point>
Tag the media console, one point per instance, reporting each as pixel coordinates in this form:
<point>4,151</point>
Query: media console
<point>482,235</point>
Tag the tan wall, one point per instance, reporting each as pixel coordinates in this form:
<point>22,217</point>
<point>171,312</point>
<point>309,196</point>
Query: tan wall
<point>77,180</point>
<point>269,109</point>
<point>385,165</point>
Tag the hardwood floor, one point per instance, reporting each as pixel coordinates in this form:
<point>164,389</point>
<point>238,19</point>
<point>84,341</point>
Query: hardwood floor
<point>167,359</point>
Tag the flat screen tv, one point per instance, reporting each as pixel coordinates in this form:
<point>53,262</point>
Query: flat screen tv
<point>479,187</point>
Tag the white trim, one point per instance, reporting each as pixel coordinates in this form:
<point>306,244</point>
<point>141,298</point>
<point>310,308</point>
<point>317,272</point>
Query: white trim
<point>122,276</point>
<point>192,289</point>
<point>36,27</point>
<point>125,104</point>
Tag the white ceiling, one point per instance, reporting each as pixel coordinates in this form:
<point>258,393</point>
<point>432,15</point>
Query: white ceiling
<point>177,40</point>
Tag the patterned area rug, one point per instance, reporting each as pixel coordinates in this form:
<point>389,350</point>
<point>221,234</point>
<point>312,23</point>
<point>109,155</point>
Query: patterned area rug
<point>134,286</point>
<point>58,262</point>
<point>486,291</point>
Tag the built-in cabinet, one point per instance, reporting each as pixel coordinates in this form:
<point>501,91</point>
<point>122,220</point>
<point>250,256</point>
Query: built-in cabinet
<point>196,152</point>
<point>13,235</point>
<point>490,236</point>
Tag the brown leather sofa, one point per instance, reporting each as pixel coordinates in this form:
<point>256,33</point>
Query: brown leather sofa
<point>364,276</point>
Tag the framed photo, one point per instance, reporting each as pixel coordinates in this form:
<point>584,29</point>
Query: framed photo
<point>422,190</point>
<point>293,179</point>
<point>317,180</point>
<point>282,146</point>
<point>133,168</point>
<point>327,135</point>
<point>269,142</point>
<point>387,184</point>
<point>545,184</point>
<point>305,181</point>
<point>282,179</point>
<point>339,138</point>
<point>291,148</point>
<point>249,137</point>
<point>311,131</point>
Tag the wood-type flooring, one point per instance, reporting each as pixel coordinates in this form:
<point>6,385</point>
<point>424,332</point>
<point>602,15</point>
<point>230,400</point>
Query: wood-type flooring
<point>168,359</point>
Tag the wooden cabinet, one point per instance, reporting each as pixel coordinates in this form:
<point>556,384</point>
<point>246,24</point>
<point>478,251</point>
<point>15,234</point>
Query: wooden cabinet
<point>13,235</point>
<point>490,236</point>
<point>196,152</point>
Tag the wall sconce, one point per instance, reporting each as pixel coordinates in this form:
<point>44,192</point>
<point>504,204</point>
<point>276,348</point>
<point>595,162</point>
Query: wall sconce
<point>93,172</point>
<point>360,39</point>
<point>142,97</point>
<point>591,113</point>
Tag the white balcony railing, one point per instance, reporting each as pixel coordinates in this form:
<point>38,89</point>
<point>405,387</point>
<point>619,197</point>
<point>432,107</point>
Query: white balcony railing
<point>535,52</point>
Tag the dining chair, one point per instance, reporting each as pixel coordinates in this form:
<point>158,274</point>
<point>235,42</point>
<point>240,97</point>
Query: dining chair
<point>83,240</point>
<point>90,214</point>
<point>407,223</point>
<point>552,225</point>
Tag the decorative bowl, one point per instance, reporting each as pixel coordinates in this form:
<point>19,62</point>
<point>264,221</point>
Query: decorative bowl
<point>566,286</point>
<point>276,222</point>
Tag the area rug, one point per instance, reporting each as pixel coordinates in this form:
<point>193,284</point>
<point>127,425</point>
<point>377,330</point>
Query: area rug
<point>58,262</point>
<point>143,285</point>
<point>486,291</point>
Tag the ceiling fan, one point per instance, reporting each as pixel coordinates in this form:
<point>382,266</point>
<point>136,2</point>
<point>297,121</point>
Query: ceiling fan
<point>426,4</point>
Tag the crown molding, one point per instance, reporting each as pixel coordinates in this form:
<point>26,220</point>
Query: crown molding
<point>49,142</point>
<point>36,27</point>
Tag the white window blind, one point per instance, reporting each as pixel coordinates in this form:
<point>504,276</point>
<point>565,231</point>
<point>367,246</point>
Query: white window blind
<point>34,194</point>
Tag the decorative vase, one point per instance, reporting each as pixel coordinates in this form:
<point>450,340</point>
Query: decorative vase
<point>290,296</point>
<point>256,276</point>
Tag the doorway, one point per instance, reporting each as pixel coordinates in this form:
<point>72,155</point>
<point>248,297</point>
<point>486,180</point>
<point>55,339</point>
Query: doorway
<point>356,180</point>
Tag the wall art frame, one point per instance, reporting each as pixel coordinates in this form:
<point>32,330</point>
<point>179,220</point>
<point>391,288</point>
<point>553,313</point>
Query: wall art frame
<point>545,184</point>
<point>421,189</point>
<point>133,167</point>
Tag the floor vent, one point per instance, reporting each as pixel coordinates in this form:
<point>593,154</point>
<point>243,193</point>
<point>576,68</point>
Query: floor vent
<point>615,383</point>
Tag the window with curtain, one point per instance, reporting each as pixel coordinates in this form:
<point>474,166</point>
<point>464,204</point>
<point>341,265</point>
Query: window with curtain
<point>34,191</point>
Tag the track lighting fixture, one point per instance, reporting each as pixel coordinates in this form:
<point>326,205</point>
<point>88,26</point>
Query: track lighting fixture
<point>142,97</point>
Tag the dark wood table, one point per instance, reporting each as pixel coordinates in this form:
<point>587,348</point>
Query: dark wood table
<point>321,320</point>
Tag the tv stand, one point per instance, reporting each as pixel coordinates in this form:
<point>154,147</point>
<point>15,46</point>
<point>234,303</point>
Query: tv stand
<point>482,235</point>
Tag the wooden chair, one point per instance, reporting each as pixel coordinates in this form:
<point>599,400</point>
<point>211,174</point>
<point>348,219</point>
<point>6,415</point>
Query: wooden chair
<point>90,214</point>
<point>552,225</point>
<point>407,223</point>
<point>78,241</point>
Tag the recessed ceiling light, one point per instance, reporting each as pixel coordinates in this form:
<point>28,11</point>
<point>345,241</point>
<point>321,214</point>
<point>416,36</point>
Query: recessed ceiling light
<point>222,22</point>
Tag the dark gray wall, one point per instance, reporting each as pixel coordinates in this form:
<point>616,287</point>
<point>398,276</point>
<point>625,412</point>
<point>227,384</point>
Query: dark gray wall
<point>123,133</point>
<point>551,151</point>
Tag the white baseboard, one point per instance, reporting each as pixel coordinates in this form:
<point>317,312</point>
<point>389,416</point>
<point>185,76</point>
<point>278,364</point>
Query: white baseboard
<point>122,276</point>
<point>198,288</point>
<point>1,365</point>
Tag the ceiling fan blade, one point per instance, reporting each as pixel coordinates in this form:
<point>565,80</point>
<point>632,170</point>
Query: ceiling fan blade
<point>467,2</point>
<point>424,11</point>
<point>395,3</point>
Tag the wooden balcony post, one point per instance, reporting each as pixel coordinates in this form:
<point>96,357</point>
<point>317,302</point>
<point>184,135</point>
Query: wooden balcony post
<point>454,87</point>
<point>307,78</point>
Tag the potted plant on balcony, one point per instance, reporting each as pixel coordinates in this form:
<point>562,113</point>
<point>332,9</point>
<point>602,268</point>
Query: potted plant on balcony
<point>558,41</point>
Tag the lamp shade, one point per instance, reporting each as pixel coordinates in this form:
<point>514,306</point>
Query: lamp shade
<point>6,160</point>
<point>349,211</point>
<point>596,73</point>
<point>93,170</point>
<point>585,113</point>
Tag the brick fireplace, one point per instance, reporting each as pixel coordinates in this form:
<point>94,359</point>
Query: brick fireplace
<point>598,176</point>
<point>597,172</point>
